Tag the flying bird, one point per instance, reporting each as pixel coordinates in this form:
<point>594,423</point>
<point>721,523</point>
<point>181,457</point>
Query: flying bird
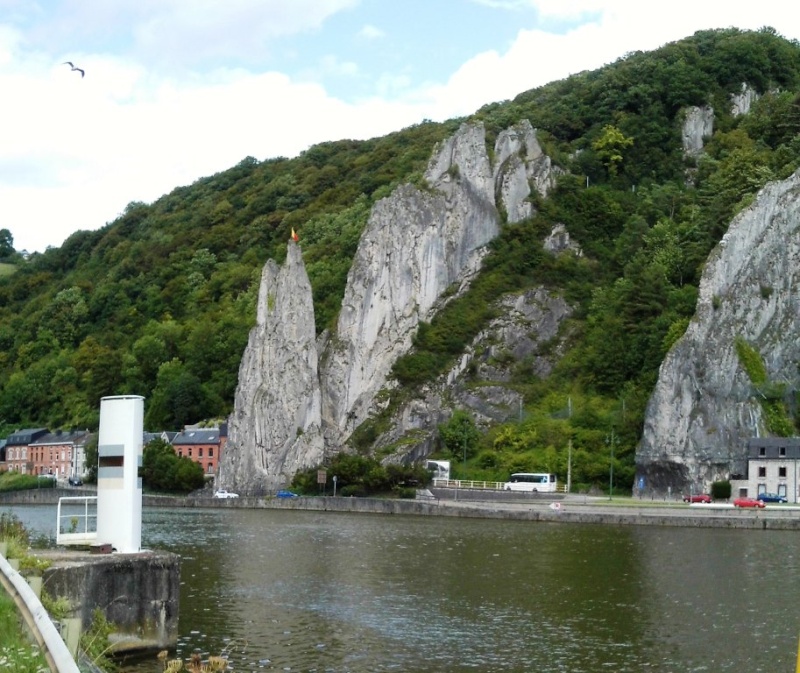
<point>71,65</point>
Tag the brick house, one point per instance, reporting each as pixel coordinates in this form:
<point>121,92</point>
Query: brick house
<point>17,451</point>
<point>60,453</point>
<point>202,445</point>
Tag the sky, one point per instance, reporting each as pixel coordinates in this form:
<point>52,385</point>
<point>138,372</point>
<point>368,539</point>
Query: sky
<point>176,90</point>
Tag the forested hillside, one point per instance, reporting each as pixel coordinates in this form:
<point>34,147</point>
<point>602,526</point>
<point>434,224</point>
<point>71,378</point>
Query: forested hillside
<point>160,301</point>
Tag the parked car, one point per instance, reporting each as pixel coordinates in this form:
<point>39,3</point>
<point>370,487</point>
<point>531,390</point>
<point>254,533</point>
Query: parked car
<point>222,493</point>
<point>75,481</point>
<point>697,497</point>
<point>771,497</point>
<point>747,502</point>
<point>286,494</point>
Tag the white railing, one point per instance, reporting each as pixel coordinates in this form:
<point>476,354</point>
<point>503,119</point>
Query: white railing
<point>483,485</point>
<point>464,483</point>
<point>77,520</point>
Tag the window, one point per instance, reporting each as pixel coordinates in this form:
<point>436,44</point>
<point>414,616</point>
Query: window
<point>211,452</point>
<point>200,452</point>
<point>782,452</point>
<point>190,452</point>
<point>782,471</point>
<point>762,450</point>
<point>762,471</point>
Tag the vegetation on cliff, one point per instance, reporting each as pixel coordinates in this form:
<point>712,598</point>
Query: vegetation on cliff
<point>160,301</point>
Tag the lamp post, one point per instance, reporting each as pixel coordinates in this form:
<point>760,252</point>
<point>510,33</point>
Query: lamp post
<point>611,441</point>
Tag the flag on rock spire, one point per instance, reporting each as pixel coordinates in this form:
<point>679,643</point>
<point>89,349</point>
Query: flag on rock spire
<point>295,237</point>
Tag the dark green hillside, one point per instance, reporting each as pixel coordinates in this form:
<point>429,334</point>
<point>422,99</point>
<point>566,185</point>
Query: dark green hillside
<point>160,301</point>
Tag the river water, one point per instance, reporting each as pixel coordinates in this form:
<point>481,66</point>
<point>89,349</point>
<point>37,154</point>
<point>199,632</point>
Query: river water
<point>285,590</point>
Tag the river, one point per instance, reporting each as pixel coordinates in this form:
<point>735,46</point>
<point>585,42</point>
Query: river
<point>362,593</point>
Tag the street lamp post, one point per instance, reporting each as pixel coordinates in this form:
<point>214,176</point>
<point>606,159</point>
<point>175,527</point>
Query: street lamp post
<point>611,466</point>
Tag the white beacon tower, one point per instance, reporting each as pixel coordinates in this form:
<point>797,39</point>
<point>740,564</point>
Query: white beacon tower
<point>119,486</point>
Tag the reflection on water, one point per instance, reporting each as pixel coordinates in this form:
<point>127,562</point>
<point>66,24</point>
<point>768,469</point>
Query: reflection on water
<point>311,591</point>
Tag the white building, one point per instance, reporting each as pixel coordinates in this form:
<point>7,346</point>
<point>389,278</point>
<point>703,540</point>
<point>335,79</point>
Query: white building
<point>773,466</point>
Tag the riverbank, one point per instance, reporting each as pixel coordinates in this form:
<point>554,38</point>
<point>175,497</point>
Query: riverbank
<point>464,504</point>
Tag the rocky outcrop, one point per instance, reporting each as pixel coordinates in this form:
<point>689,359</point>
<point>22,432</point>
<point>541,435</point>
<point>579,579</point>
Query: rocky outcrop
<point>559,240</point>
<point>420,248</point>
<point>698,125</point>
<point>704,407</point>
<point>275,429</point>
<point>742,102</point>
<point>528,334</point>
<point>416,245</point>
<point>521,167</point>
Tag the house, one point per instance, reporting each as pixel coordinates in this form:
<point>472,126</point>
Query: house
<point>17,452</point>
<point>61,454</point>
<point>202,445</point>
<point>773,466</point>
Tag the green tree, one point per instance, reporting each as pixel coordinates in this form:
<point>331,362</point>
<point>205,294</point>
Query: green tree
<point>178,398</point>
<point>459,436</point>
<point>6,244</point>
<point>164,470</point>
<point>610,145</point>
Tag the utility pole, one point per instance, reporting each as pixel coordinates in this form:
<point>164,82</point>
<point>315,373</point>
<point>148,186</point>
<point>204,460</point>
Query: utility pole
<point>569,448</point>
<point>611,466</point>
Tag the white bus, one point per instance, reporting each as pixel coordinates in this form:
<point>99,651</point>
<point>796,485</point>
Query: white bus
<point>540,482</point>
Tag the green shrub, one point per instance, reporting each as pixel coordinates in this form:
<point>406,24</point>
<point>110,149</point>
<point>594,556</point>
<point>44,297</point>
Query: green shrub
<point>721,490</point>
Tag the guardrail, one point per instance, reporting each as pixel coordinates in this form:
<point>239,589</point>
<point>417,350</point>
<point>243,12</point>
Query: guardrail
<point>58,656</point>
<point>81,517</point>
<point>482,485</point>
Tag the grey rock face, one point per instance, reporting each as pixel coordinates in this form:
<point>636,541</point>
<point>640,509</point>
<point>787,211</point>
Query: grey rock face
<point>559,241</point>
<point>704,407</point>
<point>415,246</point>
<point>419,249</point>
<point>275,429</point>
<point>527,323</point>
<point>521,164</point>
<point>743,101</point>
<point>697,126</point>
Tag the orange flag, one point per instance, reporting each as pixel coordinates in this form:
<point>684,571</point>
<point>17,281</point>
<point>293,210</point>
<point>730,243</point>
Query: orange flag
<point>295,237</point>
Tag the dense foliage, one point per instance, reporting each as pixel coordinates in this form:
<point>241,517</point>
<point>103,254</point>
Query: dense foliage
<point>163,470</point>
<point>16,481</point>
<point>361,475</point>
<point>160,301</point>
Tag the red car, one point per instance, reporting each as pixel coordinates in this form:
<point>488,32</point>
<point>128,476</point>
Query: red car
<point>697,497</point>
<point>747,502</point>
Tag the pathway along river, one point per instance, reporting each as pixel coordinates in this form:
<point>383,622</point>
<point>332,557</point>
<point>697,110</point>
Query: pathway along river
<point>361,593</point>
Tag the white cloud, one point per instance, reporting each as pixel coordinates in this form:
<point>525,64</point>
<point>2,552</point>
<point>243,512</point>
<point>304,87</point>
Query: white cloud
<point>74,152</point>
<point>371,32</point>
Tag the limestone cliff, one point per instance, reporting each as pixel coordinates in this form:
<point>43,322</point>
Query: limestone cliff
<point>698,125</point>
<point>275,428</point>
<point>521,163</point>
<point>419,247</point>
<point>704,406</point>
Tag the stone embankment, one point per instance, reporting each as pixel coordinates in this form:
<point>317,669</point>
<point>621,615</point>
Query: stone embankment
<point>570,509</point>
<point>495,505</point>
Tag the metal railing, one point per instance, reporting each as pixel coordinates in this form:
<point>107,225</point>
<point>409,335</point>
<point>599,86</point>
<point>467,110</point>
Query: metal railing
<point>482,485</point>
<point>37,619</point>
<point>76,520</point>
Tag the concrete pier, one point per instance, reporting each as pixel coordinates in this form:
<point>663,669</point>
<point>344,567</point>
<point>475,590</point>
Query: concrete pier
<point>138,594</point>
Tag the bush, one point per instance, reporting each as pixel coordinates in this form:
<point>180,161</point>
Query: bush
<point>721,490</point>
